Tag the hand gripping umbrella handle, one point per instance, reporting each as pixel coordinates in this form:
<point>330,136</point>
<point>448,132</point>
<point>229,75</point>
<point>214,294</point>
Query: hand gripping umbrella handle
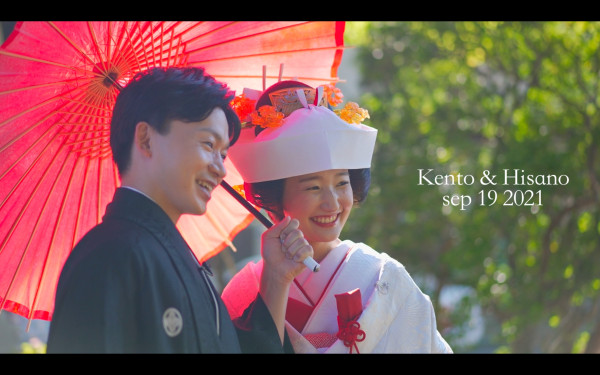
<point>308,262</point>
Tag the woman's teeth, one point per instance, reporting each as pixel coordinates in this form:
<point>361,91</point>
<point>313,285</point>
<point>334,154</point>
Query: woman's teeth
<point>325,219</point>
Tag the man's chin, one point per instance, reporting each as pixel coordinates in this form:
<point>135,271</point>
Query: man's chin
<point>199,209</point>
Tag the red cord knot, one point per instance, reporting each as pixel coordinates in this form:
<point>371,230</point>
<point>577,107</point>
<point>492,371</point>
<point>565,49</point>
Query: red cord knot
<point>350,334</point>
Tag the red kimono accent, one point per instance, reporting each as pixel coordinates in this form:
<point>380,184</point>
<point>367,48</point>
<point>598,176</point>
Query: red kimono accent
<point>349,306</point>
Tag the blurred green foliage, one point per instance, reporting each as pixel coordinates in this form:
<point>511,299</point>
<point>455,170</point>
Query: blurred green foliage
<point>469,97</point>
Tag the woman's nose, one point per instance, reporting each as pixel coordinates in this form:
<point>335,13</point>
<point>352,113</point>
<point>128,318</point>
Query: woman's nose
<point>330,200</point>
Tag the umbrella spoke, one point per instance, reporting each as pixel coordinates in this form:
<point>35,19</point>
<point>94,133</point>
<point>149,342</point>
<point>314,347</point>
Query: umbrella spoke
<point>75,46</point>
<point>221,43</point>
<point>38,60</point>
<point>212,31</point>
<point>221,230</point>
<point>25,174</point>
<point>33,87</point>
<point>98,50</point>
<point>42,120</point>
<point>32,235</point>
<point>263,54</point>
<point>23,210</point>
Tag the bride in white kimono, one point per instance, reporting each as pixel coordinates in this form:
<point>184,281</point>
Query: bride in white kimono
<point>312,164</point>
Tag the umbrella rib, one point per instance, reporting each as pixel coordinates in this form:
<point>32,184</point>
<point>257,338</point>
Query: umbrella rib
<point>220,229</point>
<point>87,115</point>
<point>80,205</point>
<point>157,45</point>
<point>249,218</point>
<point>40,105</point>
<point>220,43</point>
<point>75,132</point>
<point>152,43</point>
<point>35,228</point>
<point>96,45</point>
<point>281,52</point>
<point>88,139</point>
<point>184,31</point>
<point>54,232</point>
<point>25,112</point>
<point>29,58</point>
<point>142,47</point>
<point>38,139</point>
<point>128,40</point>
<point>225,76</point>
<point>199,36</point>
<point>21,157</point>
<point>21,213</point>
<point>75,46</point>
<point>162,30</point>
<point>20,180</point>
<point>34,87</point>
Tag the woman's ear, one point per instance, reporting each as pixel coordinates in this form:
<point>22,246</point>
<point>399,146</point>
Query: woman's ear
<point>141,138</point>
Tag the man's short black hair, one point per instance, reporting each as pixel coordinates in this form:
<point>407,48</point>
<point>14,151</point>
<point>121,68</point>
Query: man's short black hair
<point>161,95</point>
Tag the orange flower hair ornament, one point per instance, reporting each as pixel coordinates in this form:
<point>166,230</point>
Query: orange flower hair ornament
<point>333,94</point>
<point>268,116</point>
<point>243,106</point>
<point>352,113</point>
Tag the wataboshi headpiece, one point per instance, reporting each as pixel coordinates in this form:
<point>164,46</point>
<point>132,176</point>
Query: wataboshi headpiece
<point>289,130</point>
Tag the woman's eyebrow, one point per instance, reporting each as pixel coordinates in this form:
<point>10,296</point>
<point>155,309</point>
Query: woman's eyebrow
<point>311,178</point>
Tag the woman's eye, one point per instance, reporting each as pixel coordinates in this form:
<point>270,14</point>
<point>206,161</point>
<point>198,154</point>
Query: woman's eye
<point>209,144</point>
<point>343,183</point>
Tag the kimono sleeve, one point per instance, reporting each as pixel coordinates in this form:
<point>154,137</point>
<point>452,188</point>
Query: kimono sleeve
<point>93,312</point>
<point>257,332</point>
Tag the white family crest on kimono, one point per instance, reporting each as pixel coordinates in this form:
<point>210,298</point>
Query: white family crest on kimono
<point>397,316</point>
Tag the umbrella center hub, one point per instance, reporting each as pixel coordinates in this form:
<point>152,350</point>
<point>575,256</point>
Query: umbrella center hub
<point>110,79</point>
<point>107,74</point>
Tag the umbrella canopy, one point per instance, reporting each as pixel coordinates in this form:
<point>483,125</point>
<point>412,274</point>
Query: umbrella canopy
<point>59,82</point>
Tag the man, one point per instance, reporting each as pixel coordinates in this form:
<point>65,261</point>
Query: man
<point>132,284</point>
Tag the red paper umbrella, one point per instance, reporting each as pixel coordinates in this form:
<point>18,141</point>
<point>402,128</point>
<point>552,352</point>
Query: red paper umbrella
<point>59,81</point>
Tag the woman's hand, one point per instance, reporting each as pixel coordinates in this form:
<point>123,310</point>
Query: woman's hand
<point>284,248</point>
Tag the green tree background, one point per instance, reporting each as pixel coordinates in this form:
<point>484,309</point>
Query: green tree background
<point>469,97</point>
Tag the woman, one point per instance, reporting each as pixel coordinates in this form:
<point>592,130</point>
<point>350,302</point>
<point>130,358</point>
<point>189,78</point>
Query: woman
<point>305,162</point>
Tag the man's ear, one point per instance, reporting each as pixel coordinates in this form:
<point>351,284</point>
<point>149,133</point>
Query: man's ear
<point>141,138</point>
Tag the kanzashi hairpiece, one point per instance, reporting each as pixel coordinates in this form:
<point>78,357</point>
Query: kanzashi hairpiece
<point>286,100</point>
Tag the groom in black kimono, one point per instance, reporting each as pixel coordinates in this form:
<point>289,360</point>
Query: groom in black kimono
<point>132,284</point>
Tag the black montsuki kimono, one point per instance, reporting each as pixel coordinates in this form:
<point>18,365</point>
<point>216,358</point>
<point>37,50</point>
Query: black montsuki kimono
<point>132,285</point>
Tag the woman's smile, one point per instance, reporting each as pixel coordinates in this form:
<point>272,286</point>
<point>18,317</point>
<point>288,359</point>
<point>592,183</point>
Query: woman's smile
<point>325,221</point>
